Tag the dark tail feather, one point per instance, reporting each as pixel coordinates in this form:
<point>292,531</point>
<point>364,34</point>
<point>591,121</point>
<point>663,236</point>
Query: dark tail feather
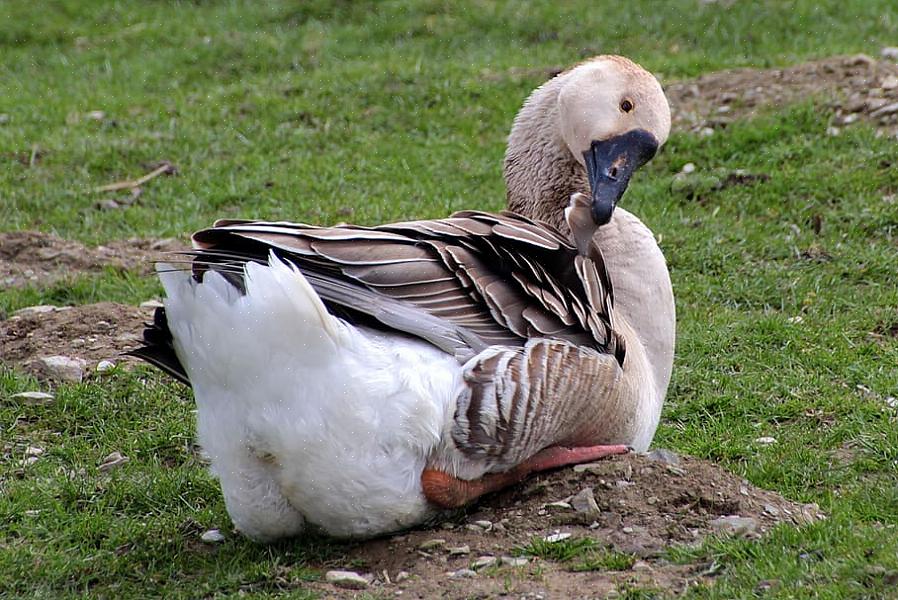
<point>157,348</point>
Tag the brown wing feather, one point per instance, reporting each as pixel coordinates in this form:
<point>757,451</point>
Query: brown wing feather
<point>504,277</point>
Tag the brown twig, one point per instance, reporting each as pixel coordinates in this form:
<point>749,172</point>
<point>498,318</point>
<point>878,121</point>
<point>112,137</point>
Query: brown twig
<point>163,169</point>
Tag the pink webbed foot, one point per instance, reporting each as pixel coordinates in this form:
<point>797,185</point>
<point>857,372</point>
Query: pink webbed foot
<point>451,492</point>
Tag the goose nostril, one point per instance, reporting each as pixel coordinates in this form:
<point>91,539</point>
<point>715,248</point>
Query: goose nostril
<point>612,173</point>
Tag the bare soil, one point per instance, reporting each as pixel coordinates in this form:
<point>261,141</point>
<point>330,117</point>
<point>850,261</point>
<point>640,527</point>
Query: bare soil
<point>41,259</point>
<point>856,88</point>
<point>645,506</point>
<point>92,332</point>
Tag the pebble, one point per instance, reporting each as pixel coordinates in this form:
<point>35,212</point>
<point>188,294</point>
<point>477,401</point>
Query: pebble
<point>151,304</point>
<point>889,83</point>
<point>39,309</point>
<point>641,565</point>
<point>33,451</point>
<point>105,365</point>
<point>459,550</point>
<point>113,461</point>
<point>63,368</point>
<point>688,168</point>
<point>706,132</point>
<point>833,131</point>
<point>432,544</point>
<point>4,118</point>
<point>462,574</point>
<point>34,397</point>
<point>585,502</point>
<point>96,115</point>
<point>484,524</point>
<point>765,440</point>
<point>484,561</point>
<point>560,505</point>
<point>556,537</point>
<point>627,530</point>
<point>514,561</point>
<point>349,580</point>
<point>663,455</point>
<point>736,525</point>
<point>213,536</point>
<point>889,52</point>
<point>401,576</point>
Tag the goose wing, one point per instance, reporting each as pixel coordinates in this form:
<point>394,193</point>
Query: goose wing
<point>463,283</point>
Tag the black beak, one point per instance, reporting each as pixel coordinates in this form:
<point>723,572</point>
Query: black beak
<point>610,163</point>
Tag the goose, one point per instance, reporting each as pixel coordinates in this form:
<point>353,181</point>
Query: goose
<point>360,380</point>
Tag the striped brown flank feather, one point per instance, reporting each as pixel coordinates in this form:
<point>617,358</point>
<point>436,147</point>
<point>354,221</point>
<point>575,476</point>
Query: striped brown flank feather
<point>518,401</point>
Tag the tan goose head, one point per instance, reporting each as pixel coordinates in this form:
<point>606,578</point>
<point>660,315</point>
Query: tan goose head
<point>584,131</point>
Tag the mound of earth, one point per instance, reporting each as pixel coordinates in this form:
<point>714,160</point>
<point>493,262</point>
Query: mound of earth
<point>84,334</point>
<point>40,259</point>
<point>642,505</point>
<point>855,87</point>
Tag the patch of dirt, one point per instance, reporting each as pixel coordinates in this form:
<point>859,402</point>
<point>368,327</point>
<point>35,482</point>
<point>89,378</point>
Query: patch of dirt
<point>644,506</point>
<point>40,259</point>
<point>92,332</point>
<point>857,88</point>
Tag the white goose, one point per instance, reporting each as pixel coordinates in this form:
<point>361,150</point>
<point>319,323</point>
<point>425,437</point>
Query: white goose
<point>360,379</point>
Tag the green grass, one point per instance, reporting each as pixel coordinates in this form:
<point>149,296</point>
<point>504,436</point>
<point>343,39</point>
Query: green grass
<point>346,111</point>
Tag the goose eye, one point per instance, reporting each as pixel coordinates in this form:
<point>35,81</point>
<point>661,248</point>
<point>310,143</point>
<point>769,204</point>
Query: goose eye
<point>626,105</point>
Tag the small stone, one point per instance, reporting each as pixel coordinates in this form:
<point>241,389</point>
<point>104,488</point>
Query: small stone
<point>849,118</point>
<point>105,365</point>
<point>651,500</point>
<point>889,83</point>
<point>459,550</point>
<point>561,505</point>
<point>688,168</point>
<point>556,537</point>
<point>151,304</point>
<point>28,461</point>
<point>4,118</point>
<point>723,109</point>
<point>735,525</point>
<point>63,368</point>
<point>663,455</point>
<point>596,467</point>
<point>213,536</point>
<point>889,53</point>
<point>484,561</point>
<point>447,525</point>
<point>33,451</point>
<point>887,109</point>
<point>34,397</point>
<point>462,574</point>
<point>514,561</point>
<point>349,580</point>
<point>771,510</point>
<point>833,131</point>
<point>585,502</point>
<point>96,115</point>
<point>39,309</point>
<point>706,132</point>
<point>861,60</point>
<point>627,530</point>
<point>472,527</point>
<point>484,524</point>
<point>432,544</point>
<point>113,461</point>
<point>401,576</point>
<point>765,440</point>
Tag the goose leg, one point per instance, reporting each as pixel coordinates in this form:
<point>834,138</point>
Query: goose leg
<point>447,491</point>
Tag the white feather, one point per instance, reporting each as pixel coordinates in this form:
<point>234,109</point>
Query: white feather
<point>306,418</point>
